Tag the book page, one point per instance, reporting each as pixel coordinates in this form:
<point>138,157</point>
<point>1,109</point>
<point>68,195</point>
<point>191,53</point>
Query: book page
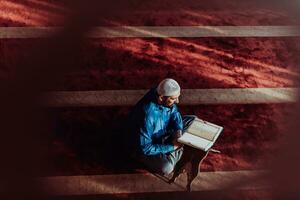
<point>195,141</point>
<point>203,129</point>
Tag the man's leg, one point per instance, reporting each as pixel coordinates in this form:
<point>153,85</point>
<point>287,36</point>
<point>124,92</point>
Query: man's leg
<point>174,157</point>
<point>163,163</point>
<point>157,163</point>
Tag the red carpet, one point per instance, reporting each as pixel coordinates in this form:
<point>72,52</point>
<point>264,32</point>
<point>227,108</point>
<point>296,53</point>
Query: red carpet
<point>195,63</point>
<point>152,13</point>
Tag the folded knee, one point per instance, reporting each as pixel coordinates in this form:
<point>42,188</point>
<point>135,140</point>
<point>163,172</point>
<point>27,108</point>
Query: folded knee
<point>167,168</point>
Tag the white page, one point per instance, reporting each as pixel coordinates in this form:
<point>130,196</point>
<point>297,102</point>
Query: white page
<point>206,130</point>
<point>195,141</point>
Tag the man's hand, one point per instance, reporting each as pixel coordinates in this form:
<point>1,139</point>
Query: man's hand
<point>177,135</point>
<point>176,144</point>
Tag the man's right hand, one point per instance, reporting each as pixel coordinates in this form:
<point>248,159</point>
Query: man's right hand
<point>177,135</point>
<point>177,144</point>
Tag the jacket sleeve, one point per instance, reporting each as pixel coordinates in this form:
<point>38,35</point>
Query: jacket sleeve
<point>146,143</point>
<point>176,120</point>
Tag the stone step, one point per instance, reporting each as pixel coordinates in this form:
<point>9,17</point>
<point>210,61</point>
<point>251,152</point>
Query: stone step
<point>159,31</point>
<point>146,183</point>
<point>189,97</point>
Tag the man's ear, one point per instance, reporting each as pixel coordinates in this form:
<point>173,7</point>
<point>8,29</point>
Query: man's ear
<point>160,98</point>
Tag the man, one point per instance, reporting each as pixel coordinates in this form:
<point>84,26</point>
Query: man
<point>157,124</point>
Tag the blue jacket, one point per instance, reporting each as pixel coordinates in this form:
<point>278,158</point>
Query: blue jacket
<point>152,122</point>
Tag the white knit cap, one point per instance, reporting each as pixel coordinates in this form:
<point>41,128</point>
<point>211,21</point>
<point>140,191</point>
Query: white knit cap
<point>168,87</point>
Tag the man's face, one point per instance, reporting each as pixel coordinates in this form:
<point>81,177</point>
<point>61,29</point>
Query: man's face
<point>170,101</point>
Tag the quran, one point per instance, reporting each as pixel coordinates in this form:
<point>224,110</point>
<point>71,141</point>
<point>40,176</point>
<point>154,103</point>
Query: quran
<point>201,134</point>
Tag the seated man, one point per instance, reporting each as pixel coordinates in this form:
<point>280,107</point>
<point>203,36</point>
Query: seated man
<point>157,124</point>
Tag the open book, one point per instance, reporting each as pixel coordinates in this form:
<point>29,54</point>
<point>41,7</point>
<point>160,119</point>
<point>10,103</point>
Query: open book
<point>201,134</point>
